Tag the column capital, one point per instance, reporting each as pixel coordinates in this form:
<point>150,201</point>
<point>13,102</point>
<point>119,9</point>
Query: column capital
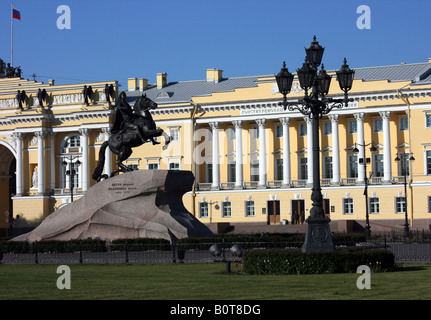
<point>385,114</point>
<point>285,121</point>
<point>84,131</point>
<point>307,119</point>
<point>18,135</point>
<point>238,124</point>
<point>333,117</point>
<point>214,125</point>
<point>41,134</point>
<point>261,122</point>
<point>359,116</point>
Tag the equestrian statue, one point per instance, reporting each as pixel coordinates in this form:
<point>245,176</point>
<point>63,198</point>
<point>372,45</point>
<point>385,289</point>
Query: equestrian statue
<point>132,128</point>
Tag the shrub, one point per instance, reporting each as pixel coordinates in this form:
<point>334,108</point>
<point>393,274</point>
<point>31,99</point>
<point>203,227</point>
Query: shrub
<point>292,261</point>
<point>140,244</point>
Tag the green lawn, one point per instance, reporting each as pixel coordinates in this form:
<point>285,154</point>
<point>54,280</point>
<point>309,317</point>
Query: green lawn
<point>205,282</point>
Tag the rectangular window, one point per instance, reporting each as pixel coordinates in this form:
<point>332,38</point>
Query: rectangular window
<point>353,126</point>
<point>175,135</point>
<point>378,125</point>
<point>302,129</point>
<point>278,169</point>
<point>303,168</point>
<point>374,205</point>
<point>404,124</point>
<point>428,162</point>
<point>226,209</point>
<point>428,120</point>
<point>203,209</point>
<point>153,166</point>
<point>400,205</point>
<point>208,172</point>
<point>278,131</point>
<point>254,170</point>
<point>254,133</point>
<point>249,208</point>
<point>230,133</point>
<point>174,166</point>
<point>327,167</point>
<point>353,166</point>
<point>378,165</point>
<point>231,167</point>
<point>348,205</point>
<point>327,128</point>
<point>404,164</point>
<point>429,204</point>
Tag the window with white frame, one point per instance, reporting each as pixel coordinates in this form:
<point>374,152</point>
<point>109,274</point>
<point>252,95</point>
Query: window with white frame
<point>254,169</point>
<point>352,126</point>
<point>279,169</point>
<point>404,164</point>
<point>174,166</point>
<point>153,166</point>
<point>303,168</point>
<point>377,125</point>
<point>203,209</point>
<point>400,204</point>
<point>327,167</point>
<point>327,128</point>
<point>352,166</point>
<point>404,124</point>
<point>71,145</point>
<point>428,120</point>
<point>174,132</point>
<point>374,205</point>
<point>278,131</point>
<point>428,162</point>
<point>302,129</point>
<point>348,205</point>
<point>226,209</point>
<point>249,208</point>
<point>378,165</point>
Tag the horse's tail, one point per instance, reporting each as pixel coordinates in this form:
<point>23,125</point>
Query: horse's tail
<point>99,169</point>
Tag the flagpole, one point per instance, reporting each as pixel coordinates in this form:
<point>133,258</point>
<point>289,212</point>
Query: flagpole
<point>11,34</point>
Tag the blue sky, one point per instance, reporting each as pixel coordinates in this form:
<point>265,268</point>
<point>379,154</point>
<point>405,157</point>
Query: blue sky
<point>116,40</point>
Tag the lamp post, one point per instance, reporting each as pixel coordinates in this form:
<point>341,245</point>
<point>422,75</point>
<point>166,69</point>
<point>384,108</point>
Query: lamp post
<point>314,105</point>
<point>71,172</point>
<point>366,181</point>
<point>404,171</point>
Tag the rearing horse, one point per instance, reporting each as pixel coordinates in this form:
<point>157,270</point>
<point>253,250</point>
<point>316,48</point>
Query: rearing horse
<point>132,128</point>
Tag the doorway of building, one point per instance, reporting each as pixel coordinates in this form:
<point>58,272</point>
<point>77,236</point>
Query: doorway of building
<point>273,211</point>
<point>298,211</point>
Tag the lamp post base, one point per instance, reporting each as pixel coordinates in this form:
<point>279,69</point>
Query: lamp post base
<point>318,236</point>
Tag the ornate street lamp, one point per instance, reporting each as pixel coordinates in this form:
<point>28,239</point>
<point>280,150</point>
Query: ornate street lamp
<point>366,181</point>
<point>314,105</point>
<point>404,165</point>
<point>71,172</point>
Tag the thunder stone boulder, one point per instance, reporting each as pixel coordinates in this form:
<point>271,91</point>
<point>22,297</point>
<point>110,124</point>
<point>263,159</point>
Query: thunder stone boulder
<point>137,204</point>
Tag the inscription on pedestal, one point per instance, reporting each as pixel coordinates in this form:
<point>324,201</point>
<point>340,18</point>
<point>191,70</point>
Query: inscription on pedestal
<point>122,188</point>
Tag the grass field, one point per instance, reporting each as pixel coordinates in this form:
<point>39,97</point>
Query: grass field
<point>205,282</point>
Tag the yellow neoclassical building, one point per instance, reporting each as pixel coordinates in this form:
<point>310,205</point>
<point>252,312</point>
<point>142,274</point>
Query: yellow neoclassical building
<point>251,159</point>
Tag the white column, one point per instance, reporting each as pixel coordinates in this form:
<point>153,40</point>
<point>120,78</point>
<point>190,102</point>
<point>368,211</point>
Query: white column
<point>52,160</point>
<point>262,153</point>
<point>286,152</point>
<point>19,185</point>
<point>40,161</point>
<point>309,149</point>
<point>215,156</point>
<point>85,161</point>
<point>108,153</point>
<point>238,155</point>
<point>387,168</point>
<point>361,142</point>
<point>335,149</point>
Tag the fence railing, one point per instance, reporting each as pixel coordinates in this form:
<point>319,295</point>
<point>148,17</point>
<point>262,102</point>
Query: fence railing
<point>192,253</point>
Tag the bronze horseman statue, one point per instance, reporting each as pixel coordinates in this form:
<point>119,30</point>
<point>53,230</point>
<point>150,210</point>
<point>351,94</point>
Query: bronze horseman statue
<point>132,128</point>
